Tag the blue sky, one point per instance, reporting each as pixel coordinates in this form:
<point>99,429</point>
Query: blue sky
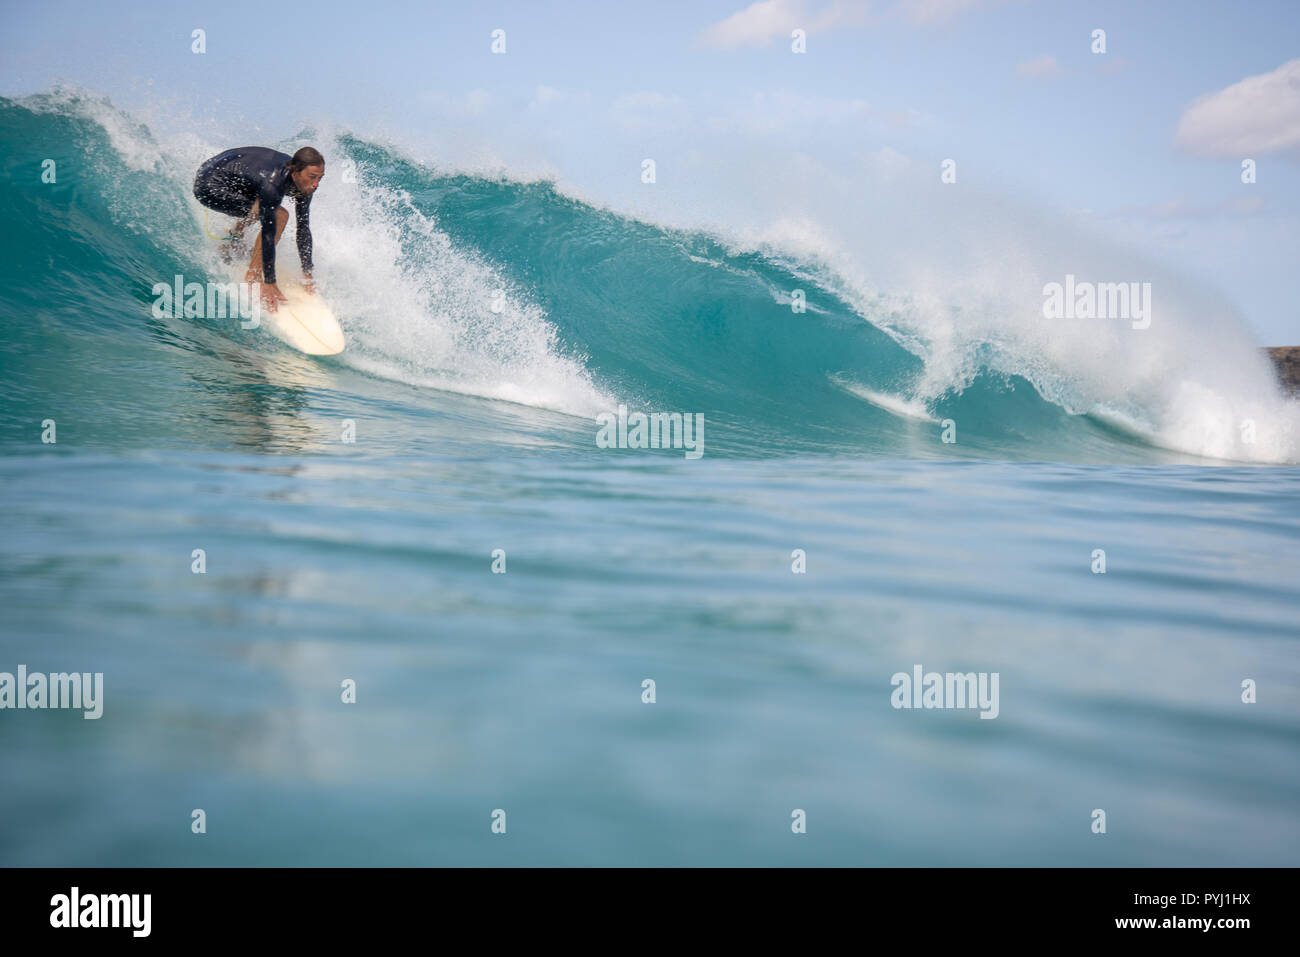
<point>1143,143</point>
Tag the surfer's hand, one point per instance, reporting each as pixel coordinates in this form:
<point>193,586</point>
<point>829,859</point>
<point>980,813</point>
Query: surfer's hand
<point>271,295</point>
<point>253,275</point>
<point>309,285</point>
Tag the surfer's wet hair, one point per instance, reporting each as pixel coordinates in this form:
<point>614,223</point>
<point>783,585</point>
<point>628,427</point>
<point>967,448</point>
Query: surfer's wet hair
<point>307,156</point>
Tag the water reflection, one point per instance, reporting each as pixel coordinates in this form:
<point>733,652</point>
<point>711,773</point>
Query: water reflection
<point>253,390</point>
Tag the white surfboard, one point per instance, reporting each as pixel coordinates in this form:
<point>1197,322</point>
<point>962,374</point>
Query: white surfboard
<point>304,322</point>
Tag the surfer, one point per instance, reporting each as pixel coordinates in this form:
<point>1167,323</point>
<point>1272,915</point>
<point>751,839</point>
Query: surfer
<point>249,183</point>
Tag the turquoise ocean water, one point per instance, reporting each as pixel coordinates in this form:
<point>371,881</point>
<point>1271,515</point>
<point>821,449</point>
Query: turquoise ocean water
<point>490,321</point>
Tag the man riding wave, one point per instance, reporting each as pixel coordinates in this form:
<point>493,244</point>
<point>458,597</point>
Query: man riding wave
<point>249,183</point>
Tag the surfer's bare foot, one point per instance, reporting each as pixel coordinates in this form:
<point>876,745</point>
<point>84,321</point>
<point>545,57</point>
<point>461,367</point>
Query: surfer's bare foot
<point>232,247</point>
<point>236,235</point>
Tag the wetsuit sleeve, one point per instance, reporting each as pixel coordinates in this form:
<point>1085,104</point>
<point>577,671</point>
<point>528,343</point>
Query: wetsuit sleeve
<point>268,202</point>
<point>303,209</point>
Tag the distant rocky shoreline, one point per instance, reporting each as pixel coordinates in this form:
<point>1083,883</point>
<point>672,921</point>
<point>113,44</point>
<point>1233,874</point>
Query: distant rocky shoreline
<point>1286,359</point>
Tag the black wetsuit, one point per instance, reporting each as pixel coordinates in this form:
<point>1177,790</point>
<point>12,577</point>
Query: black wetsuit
<point>232,181</point>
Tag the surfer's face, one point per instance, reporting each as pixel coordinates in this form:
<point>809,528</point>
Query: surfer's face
<point>308,178</point>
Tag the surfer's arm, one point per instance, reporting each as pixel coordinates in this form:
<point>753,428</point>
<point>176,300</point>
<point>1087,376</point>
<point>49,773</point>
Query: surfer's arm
<point>268,201</point>
<point>262,266</point>
<point>303,210</point>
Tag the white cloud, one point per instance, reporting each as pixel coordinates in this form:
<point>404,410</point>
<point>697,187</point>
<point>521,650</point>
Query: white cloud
<point>934,11</point>
<point>755,26</point>
<point>760,23</point>
<point>1043,65</point>
<point>1260,114</point>
<point>840,13</point>
<point>767,20</point>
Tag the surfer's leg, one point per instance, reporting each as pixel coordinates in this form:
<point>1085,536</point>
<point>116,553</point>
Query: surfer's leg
<point>216,193</point>
<point>237,230</point>
<point>251,216</point>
